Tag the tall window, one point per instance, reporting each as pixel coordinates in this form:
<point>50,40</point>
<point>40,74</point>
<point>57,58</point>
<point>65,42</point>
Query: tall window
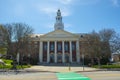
<point>52,46</point>
<point>45,46</point>
<point>59,46</point>
<point>66,46</point>
<point>73,46</point>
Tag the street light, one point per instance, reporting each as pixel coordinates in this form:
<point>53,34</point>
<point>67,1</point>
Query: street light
<point>18,58</point>
<point>83,61</point>
<point>29,58</point>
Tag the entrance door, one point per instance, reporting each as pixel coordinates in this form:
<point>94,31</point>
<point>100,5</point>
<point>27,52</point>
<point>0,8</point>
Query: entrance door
<point>59,58</point>
<point>51,58</point>
<point>66,58</point>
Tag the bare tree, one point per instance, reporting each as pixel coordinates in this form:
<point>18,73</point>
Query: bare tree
<point>2,40</point>
<point>9,37</point>
<point>96,46</point>
<point>90,47</point>
<point>115,43</point>
<point>17,37</point>
<point>105,36</point>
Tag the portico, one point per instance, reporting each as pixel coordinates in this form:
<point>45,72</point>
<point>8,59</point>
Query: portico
<point>59,51</point>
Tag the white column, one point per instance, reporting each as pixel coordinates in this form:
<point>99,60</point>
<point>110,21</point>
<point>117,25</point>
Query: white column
<point>63,52</point>
<point>55,51</point>
<point>70,51</point>
<point>78,52</point>
<point>40,51</point>
<point>48,52</point>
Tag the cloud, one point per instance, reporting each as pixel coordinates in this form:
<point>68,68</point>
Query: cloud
<point>67,25</point>
<point>48,10</point>
<point>115,3</point>
<point>51,25</point>
<point>51,10</point>
<point>86,2</point>
<point>65,1</point>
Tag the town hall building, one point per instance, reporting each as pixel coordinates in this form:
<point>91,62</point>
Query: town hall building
<point>58,46</point>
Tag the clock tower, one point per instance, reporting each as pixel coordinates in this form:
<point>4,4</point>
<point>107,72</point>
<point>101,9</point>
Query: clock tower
<point>59,25</point>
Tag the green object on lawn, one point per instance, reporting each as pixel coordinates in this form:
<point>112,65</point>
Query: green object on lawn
<point>71,76</point>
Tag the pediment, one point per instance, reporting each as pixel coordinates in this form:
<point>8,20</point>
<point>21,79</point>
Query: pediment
<point>59,34</point>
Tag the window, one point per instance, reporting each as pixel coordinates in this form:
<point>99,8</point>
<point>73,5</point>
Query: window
<point>66,47</point>
<point>51,46</point>
<point>59,48</point>
<point>73,46</point>
<point>58,18</point>
<point>45,46</point>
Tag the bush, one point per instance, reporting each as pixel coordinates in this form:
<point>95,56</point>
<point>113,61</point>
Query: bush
<point>5,66</point>
<point>23,66</point>
<point>9,65</point>
<point>7,61</point>
<point>107,66</point>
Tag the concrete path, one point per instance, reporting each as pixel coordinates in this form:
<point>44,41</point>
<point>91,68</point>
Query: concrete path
<point>60,68</point>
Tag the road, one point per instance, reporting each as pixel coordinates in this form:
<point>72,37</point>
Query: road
<point>98,75</point>
<point>103,75</point>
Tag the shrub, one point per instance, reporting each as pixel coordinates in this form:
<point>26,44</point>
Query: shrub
<point>107,66</point>
<point>7,61</point>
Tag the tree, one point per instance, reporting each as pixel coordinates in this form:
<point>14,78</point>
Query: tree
<point>95,49</point>
<point>115,43</point>
<point>105,36</point>
<point>96,46</point>
<point>90,47</point>
<point>17,37</point>
<point>2,40</point>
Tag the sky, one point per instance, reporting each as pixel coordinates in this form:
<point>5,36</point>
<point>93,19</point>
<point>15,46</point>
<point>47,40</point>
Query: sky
<point>79,16</point>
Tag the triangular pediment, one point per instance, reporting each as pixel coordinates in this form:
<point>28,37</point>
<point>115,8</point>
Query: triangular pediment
<point>59,34</point>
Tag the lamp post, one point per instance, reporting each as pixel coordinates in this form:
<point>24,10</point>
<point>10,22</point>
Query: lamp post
<point>83,61</point>
<point>69,67</point>
<point>18,58</point>
<point>29,58</point>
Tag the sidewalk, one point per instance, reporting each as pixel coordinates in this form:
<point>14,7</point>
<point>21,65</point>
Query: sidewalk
<point>60,68</point>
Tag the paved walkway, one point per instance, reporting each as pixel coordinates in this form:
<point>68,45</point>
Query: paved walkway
<point>60,68</point>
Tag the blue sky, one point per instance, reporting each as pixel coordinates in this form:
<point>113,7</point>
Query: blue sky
<point>79,16</point>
